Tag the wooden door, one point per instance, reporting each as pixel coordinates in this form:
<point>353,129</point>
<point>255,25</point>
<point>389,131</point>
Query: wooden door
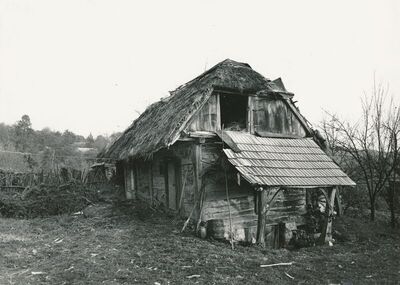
<point>172,187</point>
<point>129,182</point>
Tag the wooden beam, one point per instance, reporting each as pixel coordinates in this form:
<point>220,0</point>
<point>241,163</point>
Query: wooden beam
<point>338,202</point>
<point>277,135</point>
<point>227,140</point>
<point>262,202</point>
<point>233,91</point>
<point>12,187</point>
<point>250,114</point>
<point>219,127</point>
<point>264,205</point>
<point>326,234</point>
<point>196,160</point>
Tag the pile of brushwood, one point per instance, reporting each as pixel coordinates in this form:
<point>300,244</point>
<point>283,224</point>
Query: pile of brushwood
<point>46,200</point>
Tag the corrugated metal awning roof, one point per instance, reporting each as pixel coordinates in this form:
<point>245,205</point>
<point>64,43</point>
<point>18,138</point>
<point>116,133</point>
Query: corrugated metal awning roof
<point>283,162</point>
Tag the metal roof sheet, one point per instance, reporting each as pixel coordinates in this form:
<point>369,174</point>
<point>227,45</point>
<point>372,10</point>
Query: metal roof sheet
<point>284,162</point>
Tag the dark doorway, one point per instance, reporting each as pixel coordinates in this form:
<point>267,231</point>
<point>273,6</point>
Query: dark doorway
<point>233,112</point>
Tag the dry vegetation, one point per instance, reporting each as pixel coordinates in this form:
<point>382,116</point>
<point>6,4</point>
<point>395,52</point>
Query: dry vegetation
<point>128,244</point>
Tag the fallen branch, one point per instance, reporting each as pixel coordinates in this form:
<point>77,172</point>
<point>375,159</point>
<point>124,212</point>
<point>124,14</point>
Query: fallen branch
<point>288,275</point>
<point>276,264</point>
<point>193,276</point>
<point>37,272</point>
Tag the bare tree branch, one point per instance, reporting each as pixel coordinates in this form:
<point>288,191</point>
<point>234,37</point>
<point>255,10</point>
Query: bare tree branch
<point>370,143</point>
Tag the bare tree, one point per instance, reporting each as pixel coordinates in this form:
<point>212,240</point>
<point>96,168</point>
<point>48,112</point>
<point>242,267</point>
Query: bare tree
<point>371,142</point>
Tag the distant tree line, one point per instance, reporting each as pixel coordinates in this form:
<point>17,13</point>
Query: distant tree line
<point>50,147</point>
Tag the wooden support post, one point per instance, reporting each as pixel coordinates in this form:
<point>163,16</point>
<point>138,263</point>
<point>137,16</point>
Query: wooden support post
<point>326,234</point>
<point>265,203</point>
<point>262,204</point>
<point>338,202</point>
<point>229,208</point>
<point>198,181</point>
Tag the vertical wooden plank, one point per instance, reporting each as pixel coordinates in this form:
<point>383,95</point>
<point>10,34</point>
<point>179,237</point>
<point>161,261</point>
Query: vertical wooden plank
<point>210,111</point>
<point>182,189</point>
<point>132,188</point>
<point>125,178</point>
<point>128,193</point>
<point>171,185</point>
<point>150,166</point>
<point>197,170</point>
<point>128,181</point>
<point>136,173</point>
<point>250,115</point>
<point>178,179</point>
<point>218,112</point>
<point>165,166</point>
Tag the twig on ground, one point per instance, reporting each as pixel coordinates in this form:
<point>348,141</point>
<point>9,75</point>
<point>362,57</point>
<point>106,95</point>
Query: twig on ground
<point>288,275</point>
<point>193,276</point>
<point>277,264</point>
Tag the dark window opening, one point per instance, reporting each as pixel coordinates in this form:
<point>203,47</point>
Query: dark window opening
<point>233,112</point>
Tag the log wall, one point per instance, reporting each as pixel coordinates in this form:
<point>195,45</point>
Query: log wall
<point>289,205</point>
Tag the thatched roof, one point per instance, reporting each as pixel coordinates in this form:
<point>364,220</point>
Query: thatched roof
<point>162,122</point>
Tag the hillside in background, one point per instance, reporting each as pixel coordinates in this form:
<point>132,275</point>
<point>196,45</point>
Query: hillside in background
<point>22,147</point>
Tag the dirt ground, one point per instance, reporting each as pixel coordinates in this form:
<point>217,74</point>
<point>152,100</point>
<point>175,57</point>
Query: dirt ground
<point>132,245</point>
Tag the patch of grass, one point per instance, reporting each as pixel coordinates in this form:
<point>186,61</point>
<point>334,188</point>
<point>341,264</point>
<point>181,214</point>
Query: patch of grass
<point>130,244</point>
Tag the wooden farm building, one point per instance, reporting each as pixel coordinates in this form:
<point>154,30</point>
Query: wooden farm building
<point>231,150</point>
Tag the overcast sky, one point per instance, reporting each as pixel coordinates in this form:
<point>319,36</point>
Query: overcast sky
<point>92,66</point>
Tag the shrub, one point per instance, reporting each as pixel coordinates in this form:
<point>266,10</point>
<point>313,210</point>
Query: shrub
<point>46,200</point>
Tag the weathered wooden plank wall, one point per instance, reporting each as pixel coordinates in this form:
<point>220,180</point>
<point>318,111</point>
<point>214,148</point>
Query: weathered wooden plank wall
<point>207,119</point>
<point>274,116</point>
<point>216,206</point>
<point>289,206</point>
<point>158,171</point>
<point>184,152</point>
<point>150,177</point>
<point>143,185</point>
<point>129,180</point>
